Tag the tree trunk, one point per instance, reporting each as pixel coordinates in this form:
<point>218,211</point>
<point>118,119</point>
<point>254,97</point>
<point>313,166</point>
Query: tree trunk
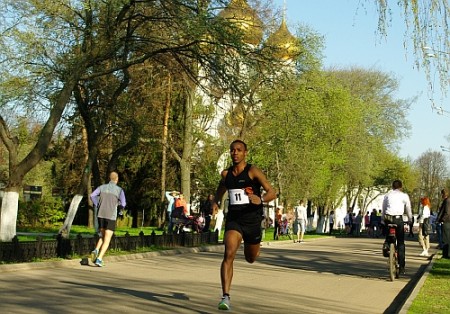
<point>90,206</point>
<point>81,190</point>
<point>321,225</point>
<point>8,218</point>
<point>185,163</point>
<point>17,171</point>
<point>167,105</point>
<point>165,136</point>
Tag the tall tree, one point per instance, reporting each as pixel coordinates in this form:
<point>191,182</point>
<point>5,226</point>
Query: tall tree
<point>432,166</point>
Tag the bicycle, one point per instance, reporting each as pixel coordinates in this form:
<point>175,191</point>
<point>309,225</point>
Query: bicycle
<point>390,250</point>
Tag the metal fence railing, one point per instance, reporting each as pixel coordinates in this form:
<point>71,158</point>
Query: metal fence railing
<point>26,251</point>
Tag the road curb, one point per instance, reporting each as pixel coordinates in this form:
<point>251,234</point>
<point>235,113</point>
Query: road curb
<point>111,258</point>
<point>407,304</point>
<point>117,258</point>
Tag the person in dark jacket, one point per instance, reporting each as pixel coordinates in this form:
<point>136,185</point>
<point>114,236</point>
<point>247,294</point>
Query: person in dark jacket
<point>207,211</point>
<point>444,218</point>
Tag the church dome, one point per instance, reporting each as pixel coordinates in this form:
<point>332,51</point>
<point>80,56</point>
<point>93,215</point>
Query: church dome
<point>246,19</point>
<point>284,45</point>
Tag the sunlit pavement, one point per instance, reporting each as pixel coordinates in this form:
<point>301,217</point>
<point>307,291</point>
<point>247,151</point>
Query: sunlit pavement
<point>328,275</point>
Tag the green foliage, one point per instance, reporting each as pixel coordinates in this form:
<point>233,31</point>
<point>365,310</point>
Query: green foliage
<point>325,131</point>
<point>311,131</point>
<point>125,221</point>
<point>43,212</point>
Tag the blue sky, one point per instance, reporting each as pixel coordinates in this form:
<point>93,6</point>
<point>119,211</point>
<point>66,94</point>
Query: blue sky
<point>351,39</point>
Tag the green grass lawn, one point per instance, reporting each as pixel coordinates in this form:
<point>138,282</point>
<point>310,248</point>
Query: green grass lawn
<point>121,231</point>
<point>434,296</point>
<point>83,230</point>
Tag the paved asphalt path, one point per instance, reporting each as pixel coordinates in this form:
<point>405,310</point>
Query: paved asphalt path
<point>328,275</point>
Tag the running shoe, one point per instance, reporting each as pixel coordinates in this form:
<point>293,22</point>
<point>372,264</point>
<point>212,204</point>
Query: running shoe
<point>99,262</point>
<point>94,255</point>
<point>224,303</point>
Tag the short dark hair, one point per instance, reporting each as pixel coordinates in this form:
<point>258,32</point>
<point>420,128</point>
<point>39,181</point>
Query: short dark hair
<point>397,184</point>
<point>239,141</point>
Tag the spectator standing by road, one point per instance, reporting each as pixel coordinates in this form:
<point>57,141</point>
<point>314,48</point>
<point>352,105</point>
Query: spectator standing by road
<point>107,198</point>
<point>367,223</point>
<point>411,228</point>
<point>331,220</point>
<point>433,217</point>
<point>444,218</point>
<point>277,223</point>
<point>395,204</point>
<point>244,183</point>
<point>170,196</point>
<point>180,202</point>
<point>352,223</point>
<point>375,223</point>
<point>207,211</point>
<point>424,225</point>
<point>218,220</point>
<point>357,223</point>
<point>265,224</point>
<point>300,220</point>
<point>347,224</point>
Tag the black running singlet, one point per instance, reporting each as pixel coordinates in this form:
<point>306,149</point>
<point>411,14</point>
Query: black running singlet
<point>239,188</point>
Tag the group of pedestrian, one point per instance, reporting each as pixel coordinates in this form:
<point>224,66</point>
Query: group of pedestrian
<point>353,223</point>
<point>176,208</point>
<point>375,226</point>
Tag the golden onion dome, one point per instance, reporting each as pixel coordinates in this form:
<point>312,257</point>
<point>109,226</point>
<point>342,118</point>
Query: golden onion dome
<point>244,17</point>
<point>285,46</point>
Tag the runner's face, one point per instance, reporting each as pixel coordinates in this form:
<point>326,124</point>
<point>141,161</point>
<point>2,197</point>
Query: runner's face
<point>237,153</point>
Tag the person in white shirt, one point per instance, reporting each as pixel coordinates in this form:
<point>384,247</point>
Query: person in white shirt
<point>424,225</point>
<point>300,219</point>
<point>395,204</point>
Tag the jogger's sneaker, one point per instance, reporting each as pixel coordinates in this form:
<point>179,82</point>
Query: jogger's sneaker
<point>99,262</point>
<point>225,303</point>
<point>94,255</point>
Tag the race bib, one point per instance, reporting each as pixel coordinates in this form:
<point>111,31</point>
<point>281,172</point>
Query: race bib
<point>238,197</point>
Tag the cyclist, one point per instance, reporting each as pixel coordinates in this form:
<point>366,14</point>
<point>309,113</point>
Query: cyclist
<point>395,204</point>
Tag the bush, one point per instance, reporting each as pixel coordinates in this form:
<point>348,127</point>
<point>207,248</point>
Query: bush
<point>125,220</point>
<point>40,212</point>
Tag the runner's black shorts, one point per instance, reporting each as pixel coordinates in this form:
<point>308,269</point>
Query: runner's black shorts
<point>107,224</point>
<point>247,224</point>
